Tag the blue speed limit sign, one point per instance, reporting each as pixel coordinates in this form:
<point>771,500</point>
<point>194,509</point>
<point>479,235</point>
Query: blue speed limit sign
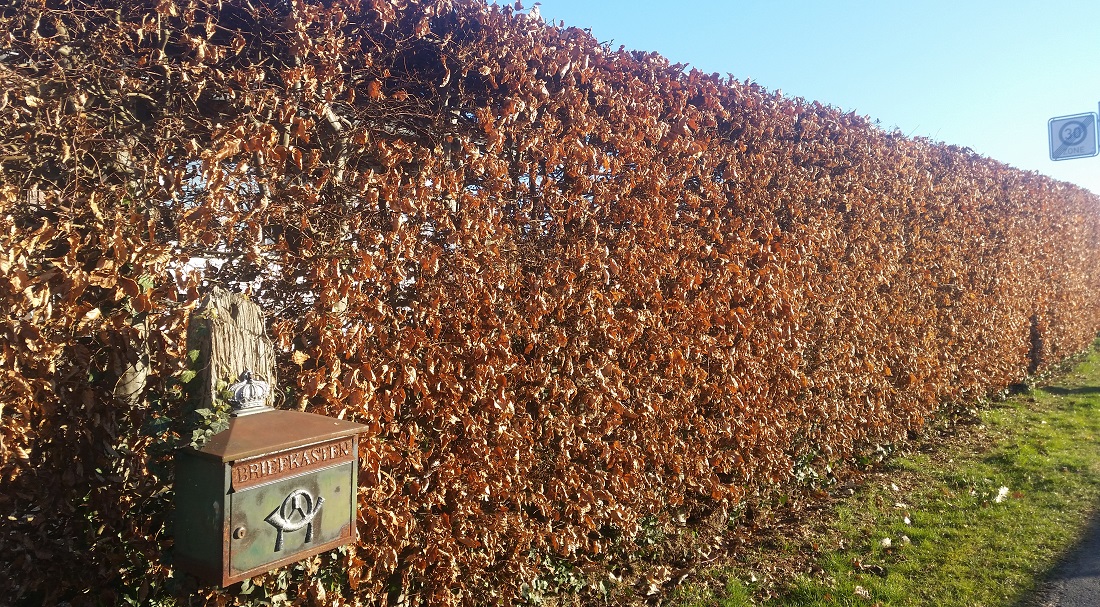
<point>1072,136</point>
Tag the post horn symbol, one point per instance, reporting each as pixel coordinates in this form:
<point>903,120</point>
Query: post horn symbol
<point>296,511</point>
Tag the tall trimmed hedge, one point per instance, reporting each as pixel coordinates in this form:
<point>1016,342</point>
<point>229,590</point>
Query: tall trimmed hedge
<point>566,286</point>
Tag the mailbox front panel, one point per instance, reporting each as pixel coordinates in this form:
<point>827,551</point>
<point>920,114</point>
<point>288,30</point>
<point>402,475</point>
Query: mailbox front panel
<point>287,520</point>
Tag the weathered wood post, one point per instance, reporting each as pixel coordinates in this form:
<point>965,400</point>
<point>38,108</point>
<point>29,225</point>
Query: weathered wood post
<point>227,331</point>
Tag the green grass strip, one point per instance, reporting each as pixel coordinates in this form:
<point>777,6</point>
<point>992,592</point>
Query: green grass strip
<point>978,519</point>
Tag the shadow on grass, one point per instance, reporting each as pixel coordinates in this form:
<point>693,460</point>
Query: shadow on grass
<point>1074,580</point>
<point>1061,391</point>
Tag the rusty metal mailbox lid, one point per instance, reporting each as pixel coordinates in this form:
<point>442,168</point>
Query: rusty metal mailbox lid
<point>273,431</point>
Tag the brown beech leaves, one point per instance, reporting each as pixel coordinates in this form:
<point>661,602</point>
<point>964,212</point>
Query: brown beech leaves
<point>568,287</point>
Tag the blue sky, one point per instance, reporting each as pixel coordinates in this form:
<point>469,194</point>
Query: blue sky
<point>981,74</point>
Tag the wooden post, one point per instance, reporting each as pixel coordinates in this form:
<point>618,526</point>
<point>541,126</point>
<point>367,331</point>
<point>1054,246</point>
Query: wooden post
<point>228,332</point>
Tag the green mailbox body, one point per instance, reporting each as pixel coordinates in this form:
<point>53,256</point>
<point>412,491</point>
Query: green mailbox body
<point>275,488</point>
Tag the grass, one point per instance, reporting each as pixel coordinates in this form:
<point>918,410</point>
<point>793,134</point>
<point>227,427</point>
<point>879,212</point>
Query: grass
<point>977,515</point>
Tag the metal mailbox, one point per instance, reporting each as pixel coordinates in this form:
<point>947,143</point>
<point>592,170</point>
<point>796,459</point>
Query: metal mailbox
<point>274,488</point>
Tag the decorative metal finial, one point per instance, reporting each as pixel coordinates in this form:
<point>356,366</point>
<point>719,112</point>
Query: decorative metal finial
<point>249,395</point>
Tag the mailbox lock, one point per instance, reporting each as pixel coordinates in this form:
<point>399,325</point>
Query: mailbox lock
<point>239,533</point>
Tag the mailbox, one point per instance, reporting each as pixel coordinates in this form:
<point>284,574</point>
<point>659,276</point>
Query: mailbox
<point>274,488</point>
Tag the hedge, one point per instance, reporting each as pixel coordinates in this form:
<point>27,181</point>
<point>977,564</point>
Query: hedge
<point>568,287</point>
